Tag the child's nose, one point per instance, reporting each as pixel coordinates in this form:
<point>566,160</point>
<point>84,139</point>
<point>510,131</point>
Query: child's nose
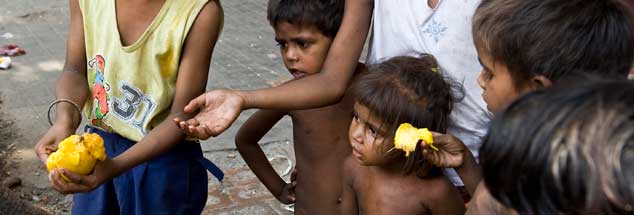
<point>481,79</point>
<point>292,55</point>
<point>356,132</point>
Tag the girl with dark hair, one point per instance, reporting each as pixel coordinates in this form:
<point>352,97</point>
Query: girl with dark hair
<point>399,90</point>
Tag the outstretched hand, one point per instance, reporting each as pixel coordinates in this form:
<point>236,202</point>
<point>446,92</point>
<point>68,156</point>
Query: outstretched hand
<point>217,110</point>
<point>450,154</point>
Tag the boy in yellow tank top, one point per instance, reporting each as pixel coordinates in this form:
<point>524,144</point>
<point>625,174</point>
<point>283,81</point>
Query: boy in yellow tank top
<point>132,64</point>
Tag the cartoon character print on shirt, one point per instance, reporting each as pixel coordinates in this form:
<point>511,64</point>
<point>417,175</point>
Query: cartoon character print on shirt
<point>101,88</point>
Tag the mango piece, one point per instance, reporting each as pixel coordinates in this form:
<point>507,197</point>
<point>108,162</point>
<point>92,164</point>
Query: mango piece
<point>78,154</point>
<point>407,137</point>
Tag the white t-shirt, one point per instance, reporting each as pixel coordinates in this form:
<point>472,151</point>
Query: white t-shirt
<point>406,27</point>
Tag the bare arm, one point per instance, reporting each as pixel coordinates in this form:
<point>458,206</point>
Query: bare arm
<point>218,109</point>
<point>71,85</point>
<point>483,203</point>
<point>337,71</point>
<point>247,143</point>
<point>453,153</point>
<point>349,203</point>
<point>191,81</point>
<point>469,172</point>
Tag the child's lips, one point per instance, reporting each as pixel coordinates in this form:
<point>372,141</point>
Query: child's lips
<point>297,74</point>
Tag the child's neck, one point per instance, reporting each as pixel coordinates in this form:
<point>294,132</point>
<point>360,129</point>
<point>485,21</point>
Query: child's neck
<point>395,166</point>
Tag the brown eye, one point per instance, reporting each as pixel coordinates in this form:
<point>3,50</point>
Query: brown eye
<point>372,131</point>
<point>281,45</point>
<point>488,75</point>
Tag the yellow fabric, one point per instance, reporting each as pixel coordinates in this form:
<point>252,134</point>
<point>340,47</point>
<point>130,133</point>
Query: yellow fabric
<point>132,87</point>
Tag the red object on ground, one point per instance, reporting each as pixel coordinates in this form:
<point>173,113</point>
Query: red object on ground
<point>11,50</point>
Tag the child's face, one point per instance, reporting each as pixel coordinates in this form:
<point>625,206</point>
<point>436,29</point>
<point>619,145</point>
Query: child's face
<point>304,48</point>
<point>369,146</point>
<point>496,82</point>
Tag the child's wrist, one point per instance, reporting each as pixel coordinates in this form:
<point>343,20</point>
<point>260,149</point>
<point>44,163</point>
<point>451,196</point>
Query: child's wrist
<point>280,189</point>
<point>244,97</point>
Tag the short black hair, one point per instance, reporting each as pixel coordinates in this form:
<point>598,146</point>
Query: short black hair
<point>568,149</point>
<point>326,15</point>
<point>406,89</point>
<point>556,38</point>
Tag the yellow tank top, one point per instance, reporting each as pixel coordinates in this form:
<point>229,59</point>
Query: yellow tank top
<point>132,87</point>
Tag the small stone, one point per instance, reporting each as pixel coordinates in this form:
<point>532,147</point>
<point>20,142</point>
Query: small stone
<point>11,182</point>
<point>36,198</point>
<point>37,173</point>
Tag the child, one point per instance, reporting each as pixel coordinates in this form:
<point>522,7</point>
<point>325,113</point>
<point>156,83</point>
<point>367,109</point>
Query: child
<point>515,41</point>
<point>379,179</point>
<point>569,148</point>
<point>441,28</point>
<point>132,64</point>
<point>304,30</point>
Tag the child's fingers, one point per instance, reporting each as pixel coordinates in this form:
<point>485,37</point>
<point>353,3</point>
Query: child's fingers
<point>192,122</point>
<point>72,177</point>
<point>195,104</point>
<point>199,132</point>
<point>178,121</point>
<point>294,174</point>
<point>57,182</point>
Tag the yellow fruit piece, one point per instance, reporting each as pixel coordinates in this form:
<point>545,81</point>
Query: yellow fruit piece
<point>78,154</point>
<point>407,137</point>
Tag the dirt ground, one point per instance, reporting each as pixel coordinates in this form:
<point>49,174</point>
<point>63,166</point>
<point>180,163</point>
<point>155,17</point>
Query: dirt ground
<point>19,199</point>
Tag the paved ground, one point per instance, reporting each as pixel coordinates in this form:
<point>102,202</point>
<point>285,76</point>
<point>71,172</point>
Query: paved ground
<point>245,58</point>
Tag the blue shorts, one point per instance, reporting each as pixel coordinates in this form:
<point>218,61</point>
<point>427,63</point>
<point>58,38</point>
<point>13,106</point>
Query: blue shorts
<point>173,183</point>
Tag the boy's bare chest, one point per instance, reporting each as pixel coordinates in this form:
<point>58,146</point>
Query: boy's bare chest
<point>325,121</point>
<point>322,132</point>
<point>134,18</point>
<point>378,194</point>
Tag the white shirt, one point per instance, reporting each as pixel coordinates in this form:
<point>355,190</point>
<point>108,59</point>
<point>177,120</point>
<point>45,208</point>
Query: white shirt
<point>409,27</point>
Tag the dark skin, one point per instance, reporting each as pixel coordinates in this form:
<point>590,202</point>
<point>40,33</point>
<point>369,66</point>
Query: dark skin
<point>319,135</point>
<point>374,182</point>
<point>133,18</point>
<point>385,190</point>
<point>219,108</point>
<point>320,145</point>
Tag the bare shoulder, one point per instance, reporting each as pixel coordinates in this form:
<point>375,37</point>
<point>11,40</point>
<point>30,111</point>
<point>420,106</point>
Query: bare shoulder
<point>209,19</point>
<point>211,10</point>
<point>440,191</point>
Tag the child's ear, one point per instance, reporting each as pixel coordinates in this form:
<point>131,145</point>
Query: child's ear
<point>540,81</point>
